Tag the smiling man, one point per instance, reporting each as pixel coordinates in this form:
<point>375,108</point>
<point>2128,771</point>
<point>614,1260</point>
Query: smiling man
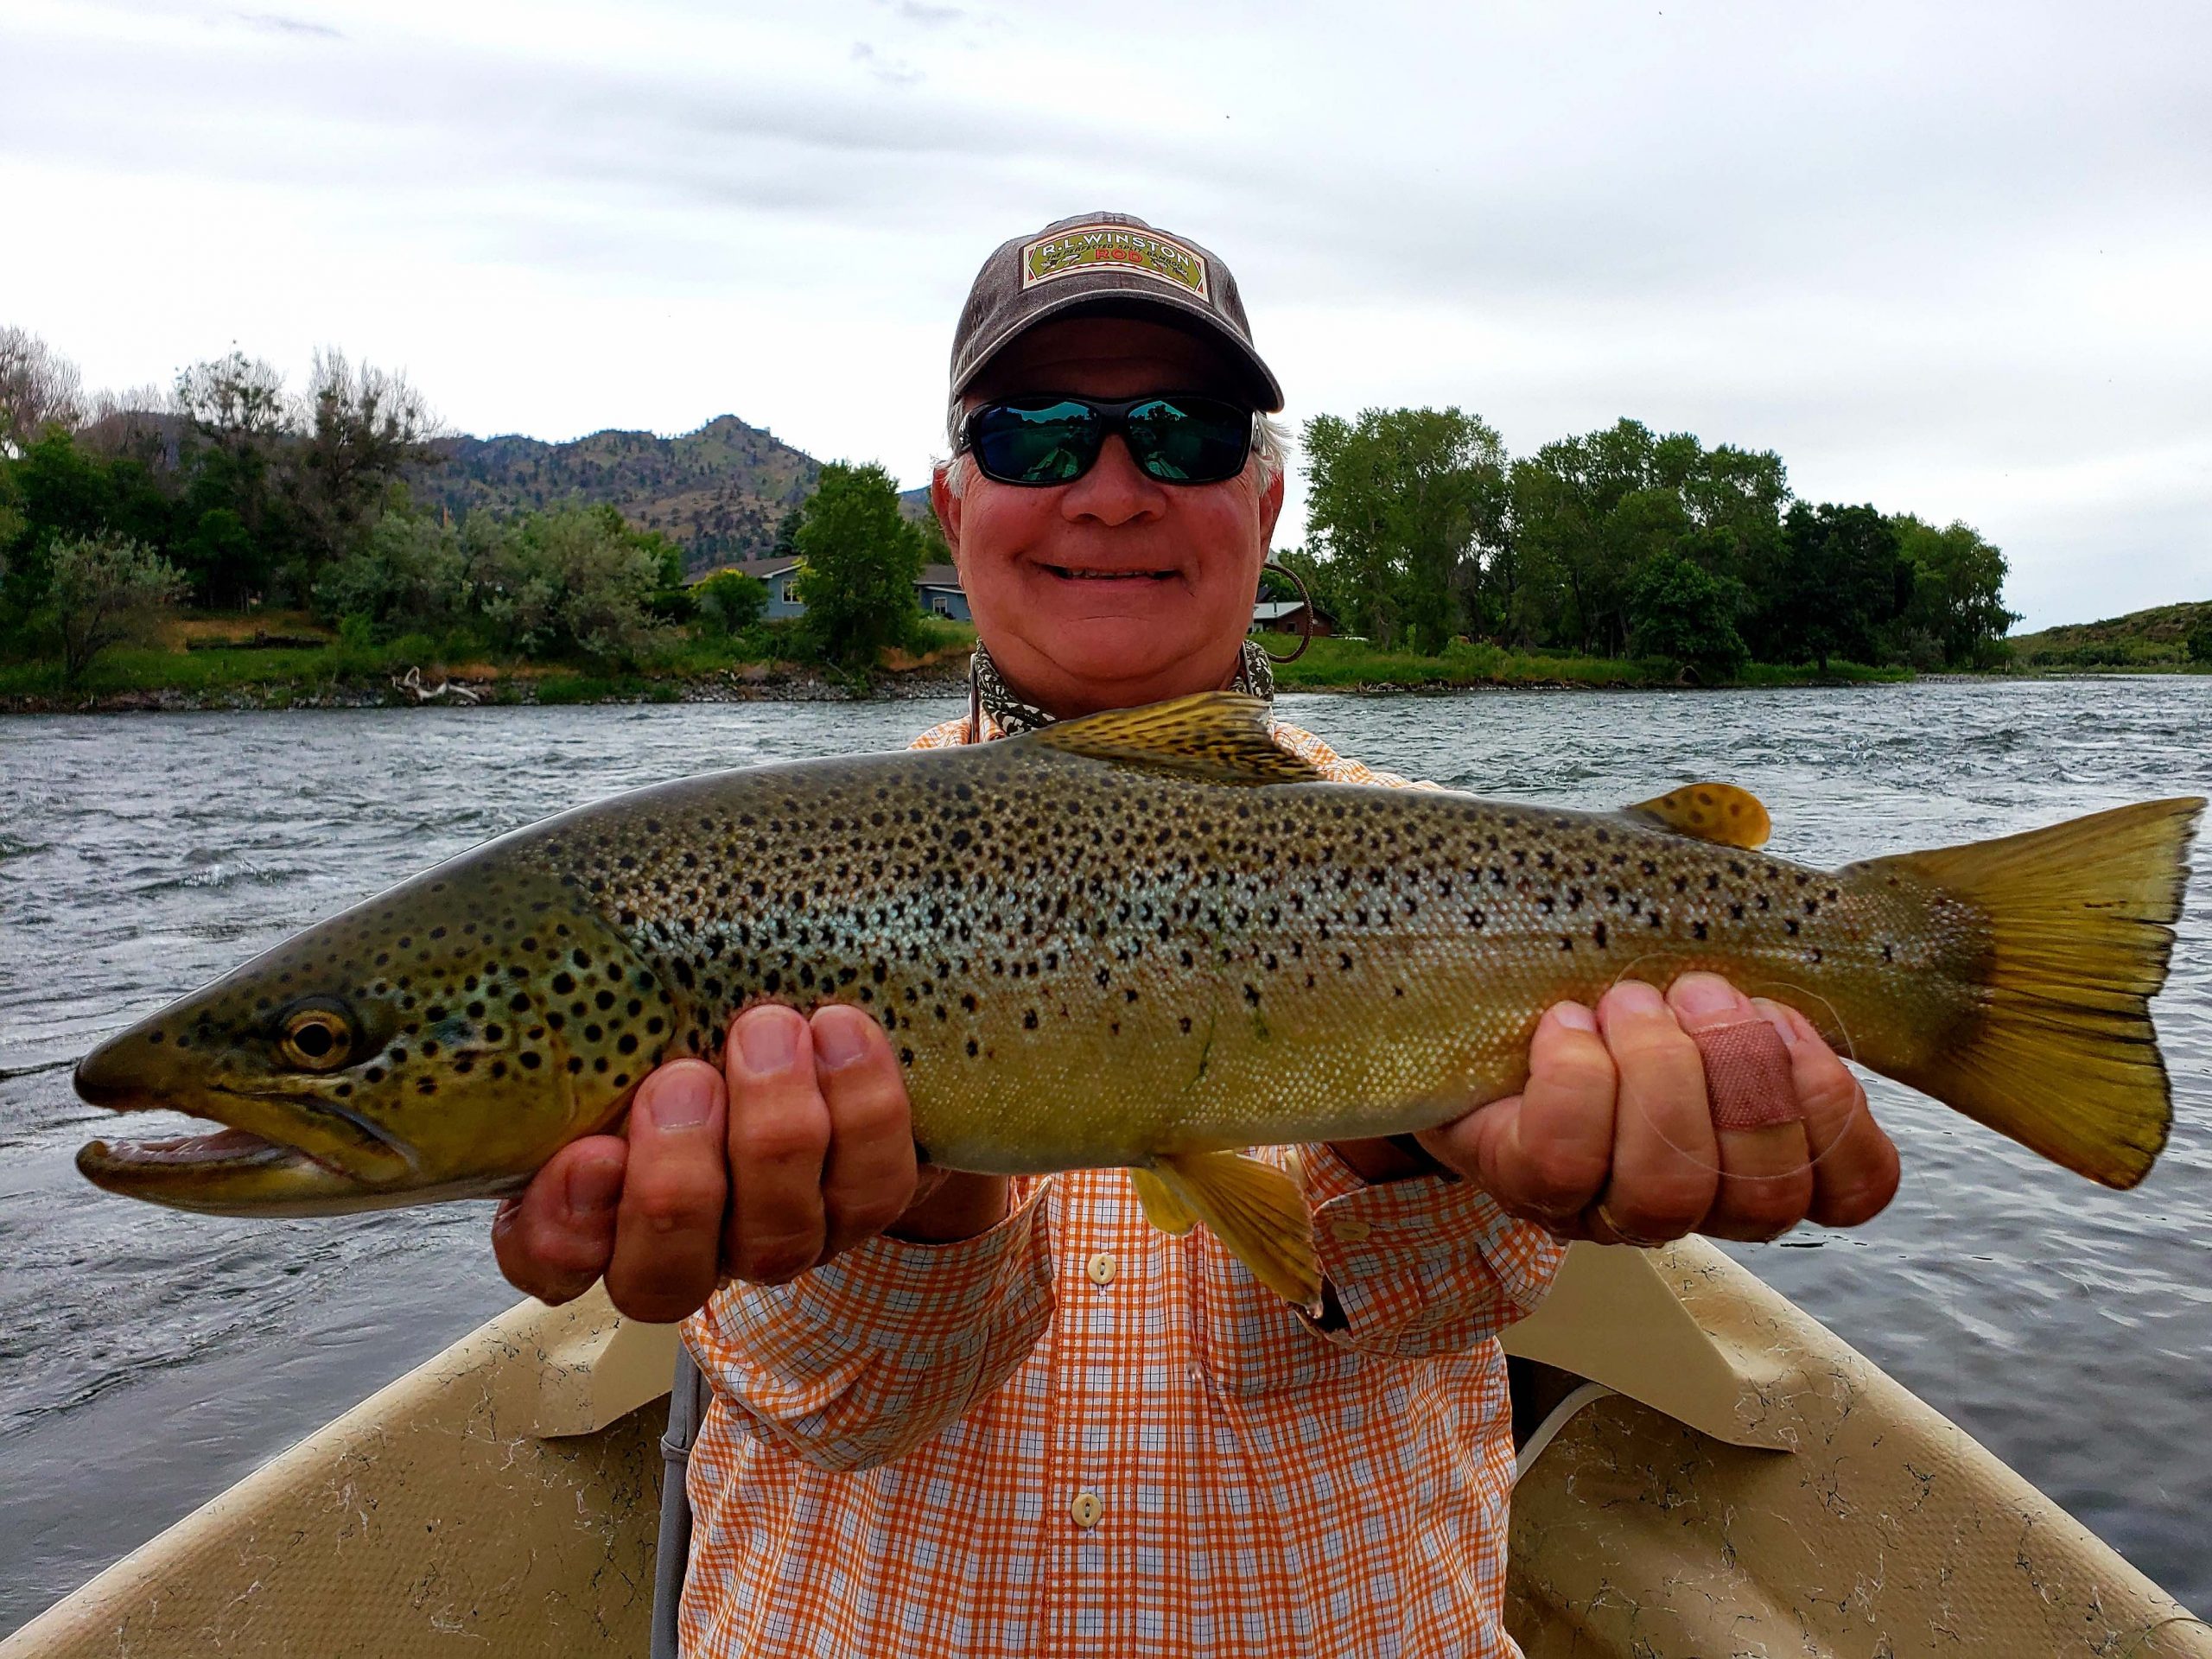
<point>960,1415</point>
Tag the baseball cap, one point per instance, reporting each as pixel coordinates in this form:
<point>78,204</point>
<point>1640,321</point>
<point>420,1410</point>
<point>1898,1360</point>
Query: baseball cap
<point>1105,265</point>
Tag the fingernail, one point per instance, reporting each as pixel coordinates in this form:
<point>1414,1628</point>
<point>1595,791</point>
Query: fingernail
<point>1705,996</point>
<point>1633,996</point>
<point>594,1188</point>
<point>768,1040</point>
<point>1574,1016</point>
<point>839,1039</point>
<point>1778,1016</point>
<point>682,1098</point>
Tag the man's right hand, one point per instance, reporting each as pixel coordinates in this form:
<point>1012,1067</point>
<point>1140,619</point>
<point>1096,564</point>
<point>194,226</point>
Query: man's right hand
<point>801,1147</point>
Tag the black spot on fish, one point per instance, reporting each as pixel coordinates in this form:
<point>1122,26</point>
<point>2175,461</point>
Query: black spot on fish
<point>529,1059</point>
<point>1598,935</point>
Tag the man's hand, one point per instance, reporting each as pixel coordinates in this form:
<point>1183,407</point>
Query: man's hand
<point>1613,1137</point>
<point>799,1148</point>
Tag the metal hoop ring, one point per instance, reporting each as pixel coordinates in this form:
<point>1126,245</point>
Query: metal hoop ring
<point>1306,632</point>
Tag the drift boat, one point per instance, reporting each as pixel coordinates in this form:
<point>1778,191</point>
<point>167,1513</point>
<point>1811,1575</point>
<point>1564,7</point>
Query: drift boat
<point>1704,1470</point>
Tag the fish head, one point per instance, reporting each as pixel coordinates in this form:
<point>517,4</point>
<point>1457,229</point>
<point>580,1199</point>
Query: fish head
<point>442,1040</point>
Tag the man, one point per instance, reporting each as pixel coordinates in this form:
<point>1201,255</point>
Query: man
<point>955,1414</point>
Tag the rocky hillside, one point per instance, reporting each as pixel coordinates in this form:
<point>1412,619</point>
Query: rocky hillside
<point>2160,634</point>
<point>720,491</point>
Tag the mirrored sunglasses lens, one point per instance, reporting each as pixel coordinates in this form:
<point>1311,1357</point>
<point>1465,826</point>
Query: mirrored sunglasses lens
<point>1048,443</point>
<point>1190,441</point>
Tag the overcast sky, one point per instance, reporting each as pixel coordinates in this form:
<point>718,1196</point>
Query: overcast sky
<point>1949,258</point>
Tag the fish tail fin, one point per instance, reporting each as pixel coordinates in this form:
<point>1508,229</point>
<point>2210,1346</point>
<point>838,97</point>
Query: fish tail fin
<point>2061,1055</point>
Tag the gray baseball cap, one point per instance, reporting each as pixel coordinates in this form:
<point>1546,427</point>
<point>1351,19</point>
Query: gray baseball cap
<point>1108,264</point>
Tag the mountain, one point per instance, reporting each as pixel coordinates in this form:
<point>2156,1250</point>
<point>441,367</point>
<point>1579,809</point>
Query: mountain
<point>718,492</point>
<point>2157,635</point>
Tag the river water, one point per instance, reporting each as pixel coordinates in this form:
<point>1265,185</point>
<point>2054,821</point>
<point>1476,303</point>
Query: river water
<point>148,1359</point>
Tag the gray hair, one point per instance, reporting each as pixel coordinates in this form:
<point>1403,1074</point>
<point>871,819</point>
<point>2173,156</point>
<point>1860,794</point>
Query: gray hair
<point>1271,448</point>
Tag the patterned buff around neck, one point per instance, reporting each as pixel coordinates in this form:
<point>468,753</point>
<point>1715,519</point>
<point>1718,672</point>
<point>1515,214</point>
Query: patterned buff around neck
<point>1255,675</point>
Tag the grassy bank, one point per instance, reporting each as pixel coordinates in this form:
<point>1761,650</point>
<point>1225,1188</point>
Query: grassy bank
<point>287,661</point>
<point>1353,664</point>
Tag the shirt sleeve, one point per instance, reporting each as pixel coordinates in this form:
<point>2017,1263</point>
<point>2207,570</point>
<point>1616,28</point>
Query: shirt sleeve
<point>883,1348</point>
<point>1423,1266</point>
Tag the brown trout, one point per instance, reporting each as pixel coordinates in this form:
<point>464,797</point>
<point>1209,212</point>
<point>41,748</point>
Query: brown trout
<point>1145,938</point>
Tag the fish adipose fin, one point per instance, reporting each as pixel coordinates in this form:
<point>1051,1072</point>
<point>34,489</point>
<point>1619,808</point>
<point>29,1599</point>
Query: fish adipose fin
<point>1255,1209</point>
<point>1221,737</point>
<point>1162,1208</point>
<point>2061,1055</point>
<point>1716,812</point>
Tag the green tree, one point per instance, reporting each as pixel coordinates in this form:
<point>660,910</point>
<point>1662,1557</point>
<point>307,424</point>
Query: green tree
<point>365,429</point>
<point>1678,609</point>
<point>1840,584</point>
<point>729,601</point>
<point>861,558</point>
<point>1407,503</point>
<point>1958,591</point>
<point>573,582</point>
<point>2198,641</point>
<point>238,421</point>
<point>102,591</point>
<point>59,490</point>
<point>40,390</point>
<point>412,573</point>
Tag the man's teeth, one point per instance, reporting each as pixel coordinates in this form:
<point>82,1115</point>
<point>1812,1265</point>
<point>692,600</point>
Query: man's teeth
<point>1108,575</point>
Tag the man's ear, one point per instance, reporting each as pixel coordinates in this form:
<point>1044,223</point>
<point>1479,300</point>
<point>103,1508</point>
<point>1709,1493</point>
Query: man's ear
<point>947,506</point>
<point>1270,510</point>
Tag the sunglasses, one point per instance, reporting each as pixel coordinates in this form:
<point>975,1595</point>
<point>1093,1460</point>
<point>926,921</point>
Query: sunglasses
<point>1174,438</point>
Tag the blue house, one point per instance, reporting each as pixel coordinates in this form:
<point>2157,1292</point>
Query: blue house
<point>936,589</point>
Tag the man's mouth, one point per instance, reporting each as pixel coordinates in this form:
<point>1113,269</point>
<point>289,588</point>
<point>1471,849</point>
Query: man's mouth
<point>1085,573</point>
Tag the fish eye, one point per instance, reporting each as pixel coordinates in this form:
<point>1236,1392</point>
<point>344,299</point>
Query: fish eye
<point>316,1036</point>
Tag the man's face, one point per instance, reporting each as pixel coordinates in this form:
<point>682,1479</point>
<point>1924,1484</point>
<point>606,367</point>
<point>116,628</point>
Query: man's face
<point>1115,589</point>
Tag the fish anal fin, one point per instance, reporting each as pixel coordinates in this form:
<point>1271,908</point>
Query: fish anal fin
<point>1162,1208</point>
<point>1255,1210</point>
<point>1714,812</point>
<point>1220,737</point>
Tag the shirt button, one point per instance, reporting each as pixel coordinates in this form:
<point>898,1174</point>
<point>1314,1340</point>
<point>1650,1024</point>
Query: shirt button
<point>1350,1232</point>
<point>1102,1269</point>
<point>1086,1509</point>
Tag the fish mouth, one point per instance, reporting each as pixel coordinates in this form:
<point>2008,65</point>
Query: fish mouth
<point>132,1166</point>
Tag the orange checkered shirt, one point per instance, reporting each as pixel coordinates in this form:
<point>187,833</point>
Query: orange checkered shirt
<point>1074,1434</point>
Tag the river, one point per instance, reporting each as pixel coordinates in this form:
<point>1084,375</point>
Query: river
<point>149,1358</point>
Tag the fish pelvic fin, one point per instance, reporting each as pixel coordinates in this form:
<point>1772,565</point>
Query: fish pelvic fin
<point>2061,1055</point>
<point>1219,737</point>
<point>1168,1213</point>
<point>1714,812</point>
<point>1255,1210</point>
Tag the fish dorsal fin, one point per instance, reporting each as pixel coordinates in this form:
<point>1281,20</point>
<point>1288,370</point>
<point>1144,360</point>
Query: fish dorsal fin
<point>1219,736</point>
<point>1719,812</point>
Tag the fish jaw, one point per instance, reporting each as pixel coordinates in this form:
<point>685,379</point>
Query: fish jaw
<point>231,1173</point>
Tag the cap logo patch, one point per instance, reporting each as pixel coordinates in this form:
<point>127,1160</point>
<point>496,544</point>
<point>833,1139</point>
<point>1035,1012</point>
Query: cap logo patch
<point>1089,247</point>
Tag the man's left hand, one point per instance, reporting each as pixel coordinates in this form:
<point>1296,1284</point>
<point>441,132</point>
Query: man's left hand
<point>1613,1138</point>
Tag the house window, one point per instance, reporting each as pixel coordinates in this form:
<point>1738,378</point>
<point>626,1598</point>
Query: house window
<point>940,606</point>
<point>791,590</point>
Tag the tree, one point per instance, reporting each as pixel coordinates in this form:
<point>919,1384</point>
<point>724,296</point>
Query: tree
<point>1678,609</point>
<point>2199,640</point>
<point>861,556</point>
<point>1840,582</point>
<point>39,388</point>
<point>577,581</point>
<point>238,419</point>
<point>365,427</point>
<point>412,573</point>
<point>1958,591</point>
<point>104,591</point>
<point>729,601</point>
<point>1406,502</point>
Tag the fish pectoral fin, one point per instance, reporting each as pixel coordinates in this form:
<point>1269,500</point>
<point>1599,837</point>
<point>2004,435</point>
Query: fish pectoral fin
<point>1715,812</point>
<point>1220,737</point>
<point>1255,1209</point>
<point>1166,1212</point>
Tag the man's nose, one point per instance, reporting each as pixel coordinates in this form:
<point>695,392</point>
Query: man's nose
<point>1114,491</point>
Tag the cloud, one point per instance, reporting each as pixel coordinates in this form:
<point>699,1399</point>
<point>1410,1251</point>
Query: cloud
<point>928,16</point>
<point>892,72</point>
<point>269,22</point>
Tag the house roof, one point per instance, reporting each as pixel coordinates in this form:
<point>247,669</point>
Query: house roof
<point>761,569</point>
